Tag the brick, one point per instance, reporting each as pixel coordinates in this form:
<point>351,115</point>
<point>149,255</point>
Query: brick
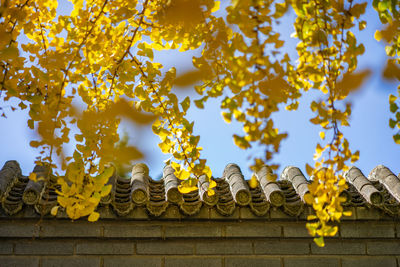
<point>364,213</point>
<point>397,229</point>
<point>247,214</point>
<point>214,215</point>
<point>6,247</point>
<point>44,247</point>
<point>193,261</point>
<point>339,248</point>
<point>12,229</point>
<point>133,230</point>
<point>306,212</point>
<point>369,261</point>
<point>27,212</point>
<point>252,261</point>
<point>17,261</point>
<point>218,247</point>
<point>164,247</point>
<point>277,213</point>
<point>74,261</point>
<point>70,229</point>
<point>105,248</point>
<point>204,230</point>
<point>295,230</point>
<point>367,230</point>
<point>384,248</point>
<point>311,262</point>
<point>140,213</point>
<point>106,212</point>
<point>125,261</point>
<point>172,212</point>
<point>204,213</point>
<point>253,230</point>
<point>281,247</point>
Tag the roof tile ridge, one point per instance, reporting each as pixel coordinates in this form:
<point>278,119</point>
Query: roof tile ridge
<point>386,177</point>
<point>203,186</point>
<point>13,187</point>
<point>238,186</point>
<point>140,184</point>
<point>122,202</point>
<point>8,173</point>
<point>269,186</point>
<point>171,183</point>
<point>34,189</point>
<point>297,179</point>
<point>364,186</point>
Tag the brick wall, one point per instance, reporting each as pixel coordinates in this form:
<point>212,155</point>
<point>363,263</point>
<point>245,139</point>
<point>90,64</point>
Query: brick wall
<point>31,242</point>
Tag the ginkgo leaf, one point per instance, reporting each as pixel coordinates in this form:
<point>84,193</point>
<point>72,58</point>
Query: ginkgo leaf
<point>391,71</point>
<point>54,210</point>
<point>124,108</point>
<point>105,176</point>
<point>216,6</point>
<point>182,174</point>
<point>319,241</point>
<point>105,190</point>
<point>33,177</point>
<point>308,198</point>
<point>94,216</point>
<point>253,183</point>
<point>352,81</point>
<point>186,189</point>
<point>347,213</point>
<point>311,217</point>
<point>188,78</point>
<point>210,192</point>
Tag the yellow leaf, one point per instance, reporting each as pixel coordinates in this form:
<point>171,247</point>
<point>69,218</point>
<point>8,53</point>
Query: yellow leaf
<point>189,78</point>
<point>227,116</point>
<point>105,176</point>
<point>186,189</point>
<point>319,241</point>
<point>54,210</point>
<point>347,213</point>
<point>207,171</point>
<point>378,35</point>
<point>311,217</point>
<point>351,81</point>
<point>94,216</point>
<point>216,6</point>
<point>253,183</point>
<point>182,175</point>
<point>175,166</point>
<point>309,170</point>
<point>322,135</point>
<point>392,98</point>
<point>32,176</point>
<point>308,198</point>
<point>391,72</point>
<point>10,53</point>
<point>212,184</point>
<point>210,192</point>
<point>105,190</point>
<point>241,142</point>
<point>129,111</point>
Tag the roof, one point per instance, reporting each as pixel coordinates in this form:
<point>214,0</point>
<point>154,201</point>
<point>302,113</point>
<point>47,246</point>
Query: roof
<point>141,197</point>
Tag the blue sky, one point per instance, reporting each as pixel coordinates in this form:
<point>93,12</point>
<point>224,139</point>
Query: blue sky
<point>369,131</point>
